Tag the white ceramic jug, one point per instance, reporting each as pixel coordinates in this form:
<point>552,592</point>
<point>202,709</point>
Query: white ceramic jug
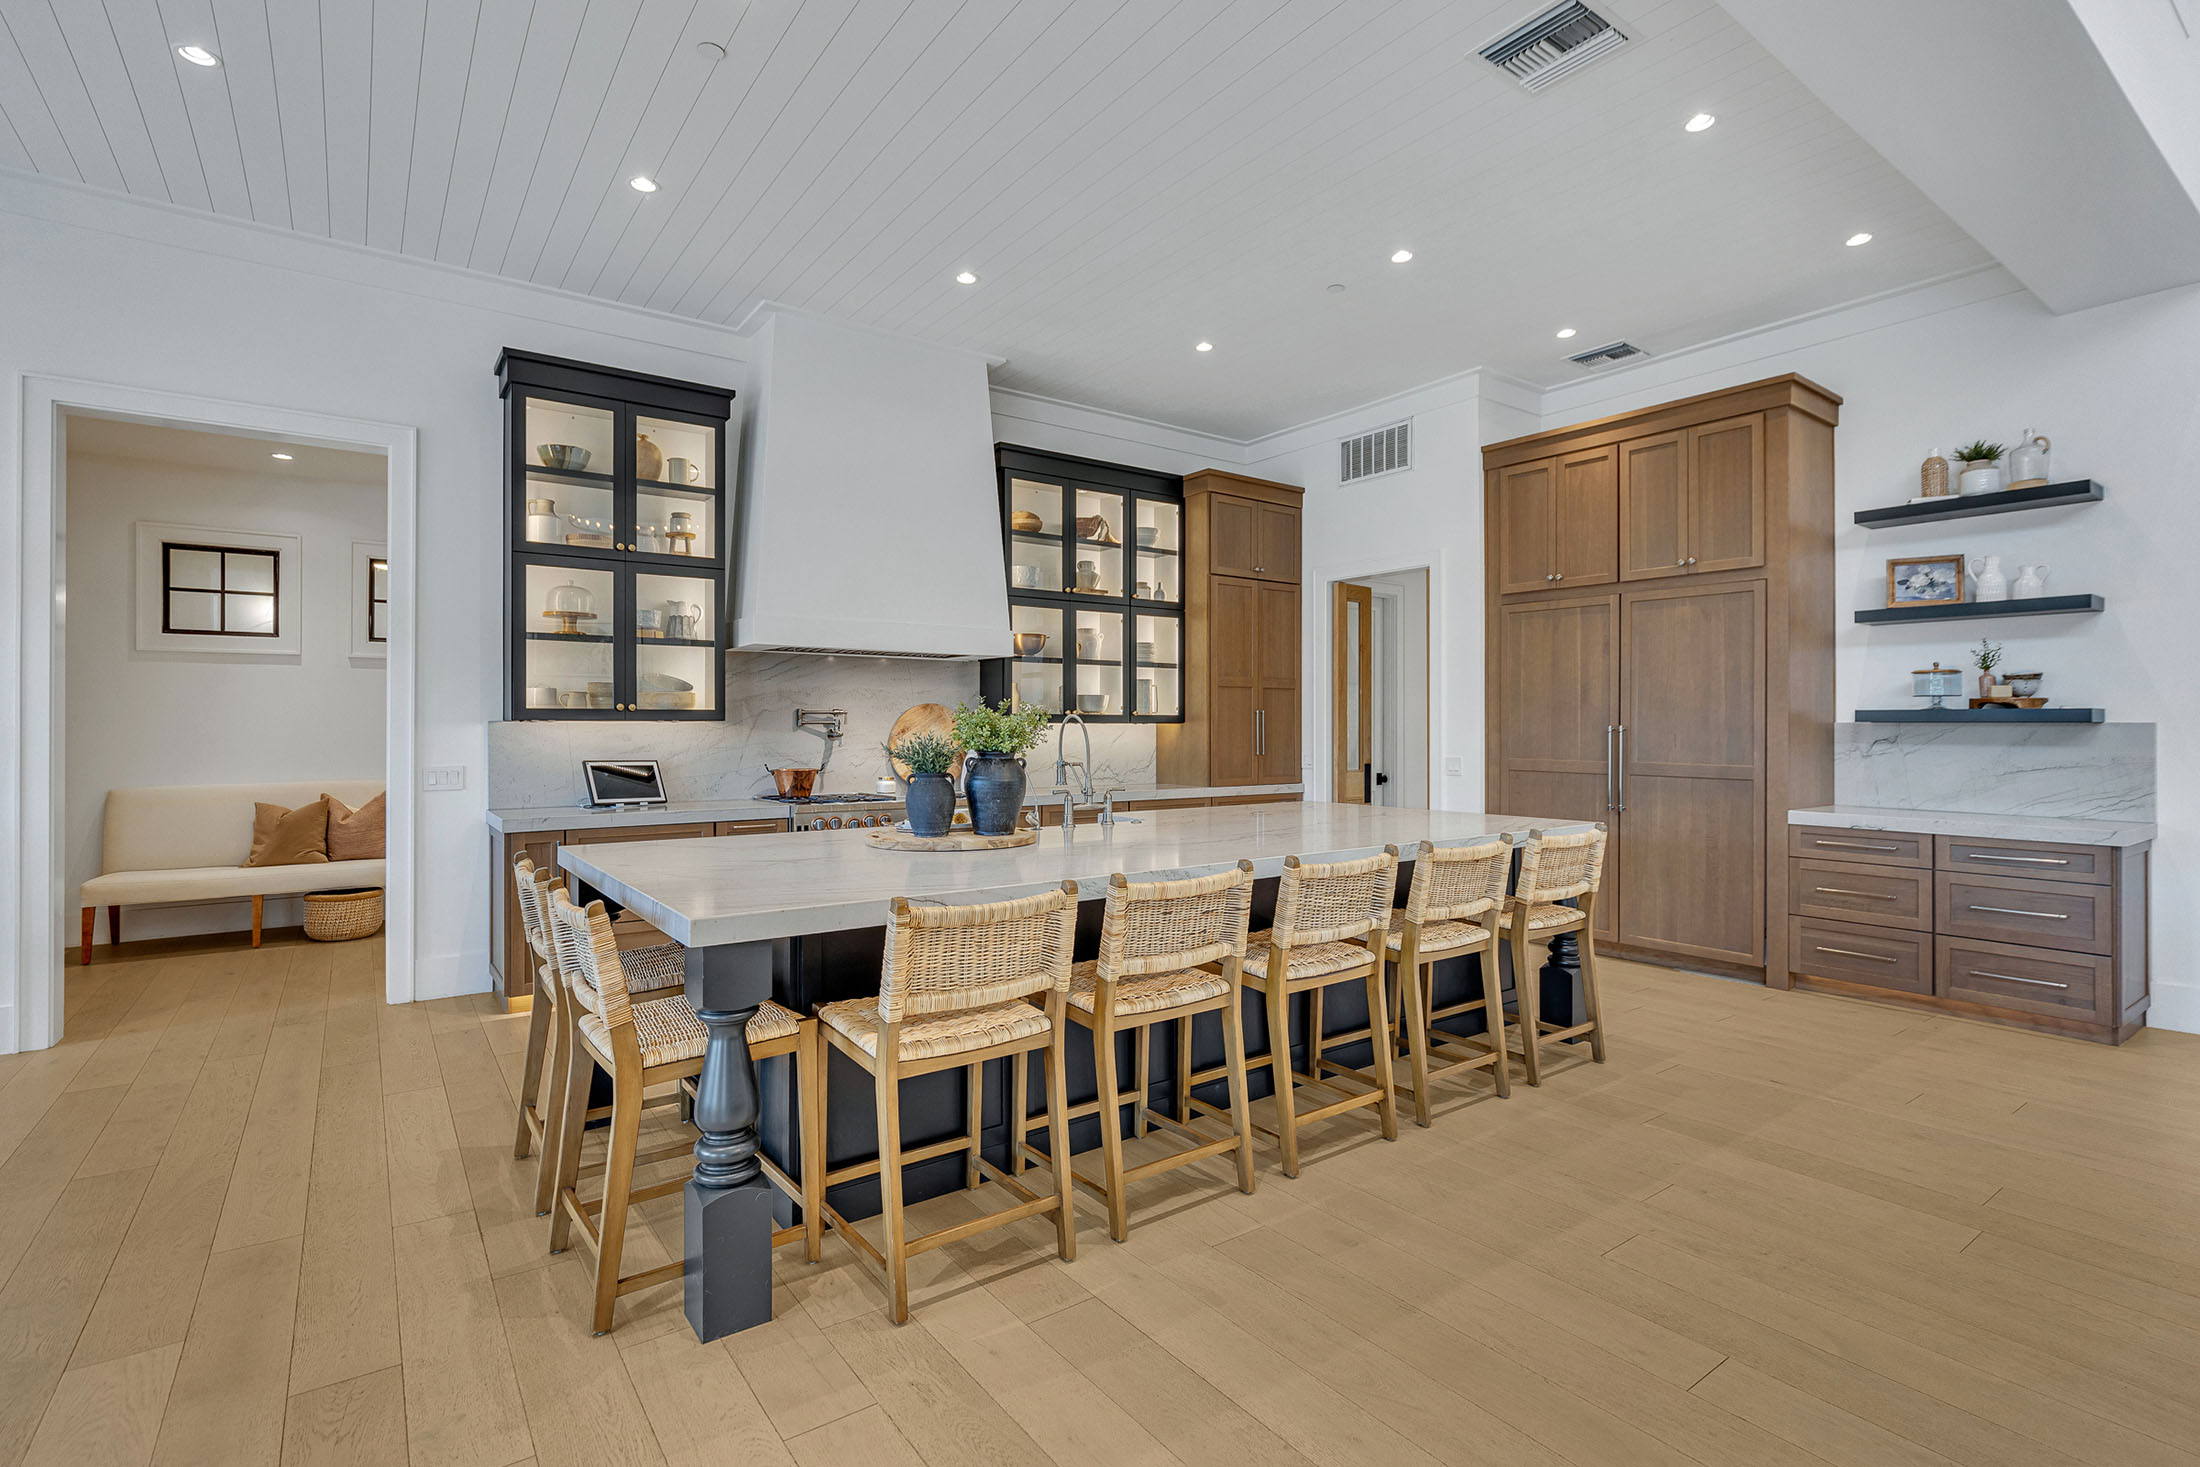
<point>1987,581</point>
<point>2031,581</point>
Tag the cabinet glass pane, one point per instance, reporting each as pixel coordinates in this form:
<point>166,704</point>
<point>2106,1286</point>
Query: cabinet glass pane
<point>670,452</point>
<point>1097,641</point>
<point>1159,556</point>
<point>1157,667</point>
<point>675,522</point>
<point>674,625</point>
<point>1097,544</point>
<point>568,630</point>
<point>675,498</point>
<point>566,438</point>
<point>567,511</point>
<point>1036,661</point>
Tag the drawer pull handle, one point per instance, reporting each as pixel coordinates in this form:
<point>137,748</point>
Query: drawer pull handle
<point>2028,860</point>
<point>1877,896</point>
<point>1857,845</point>
<point>2021,912</point>
<point>2013,978</point>
<point>1851,953</point>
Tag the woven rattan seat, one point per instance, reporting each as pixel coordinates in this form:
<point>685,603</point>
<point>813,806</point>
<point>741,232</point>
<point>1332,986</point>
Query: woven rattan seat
<point>1450,912</point>
<point>934,1036</point>
<point>1145,995</point>
<point>1439,937</point>
<point>1311,961</point>
<point>667,1031</point>
<point>1543,915</point>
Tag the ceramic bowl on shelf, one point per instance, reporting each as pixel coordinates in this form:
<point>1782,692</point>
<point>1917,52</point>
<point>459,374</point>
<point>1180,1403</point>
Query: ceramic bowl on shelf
<point>542,695</point>
<point>1027,576</point>
<point>2024,684</point>
<point>1030,644</point>
<point>1091,702</point>
<point>1025,521</point>
<point>562,456</point>
<point>1149,535</point>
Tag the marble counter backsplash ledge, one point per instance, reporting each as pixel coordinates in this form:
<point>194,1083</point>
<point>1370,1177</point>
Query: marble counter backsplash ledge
<point>2103,772</point>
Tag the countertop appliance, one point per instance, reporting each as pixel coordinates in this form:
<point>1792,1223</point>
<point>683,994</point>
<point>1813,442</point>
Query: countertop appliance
<point>828,812</point>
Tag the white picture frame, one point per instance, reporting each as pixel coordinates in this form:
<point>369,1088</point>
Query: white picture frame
<point>150,598</point>
<point>365,608</point>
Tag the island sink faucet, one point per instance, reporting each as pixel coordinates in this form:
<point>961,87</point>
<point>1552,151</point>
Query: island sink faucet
<point>1063,765</point>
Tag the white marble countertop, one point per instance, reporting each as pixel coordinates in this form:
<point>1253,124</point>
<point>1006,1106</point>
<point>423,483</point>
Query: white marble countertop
<point>529,819</point>
<point>2057,829</point>
<point>754,887</point>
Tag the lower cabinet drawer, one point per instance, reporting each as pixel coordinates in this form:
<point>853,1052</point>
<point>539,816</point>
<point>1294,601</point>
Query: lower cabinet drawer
<point>2026,979</point>
<point>2065,915</point>
<point>1871,847</point>
<point>2026,858</point>
<point>1882,896</point>
<point>1882,957</point>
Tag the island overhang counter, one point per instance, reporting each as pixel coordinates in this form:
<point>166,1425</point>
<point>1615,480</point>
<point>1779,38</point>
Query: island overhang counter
<point>799,918</point>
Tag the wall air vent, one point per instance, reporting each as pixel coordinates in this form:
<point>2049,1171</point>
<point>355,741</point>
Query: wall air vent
<point>1560,41</point>
<point>1383,451</point>
<point>1605,355</point>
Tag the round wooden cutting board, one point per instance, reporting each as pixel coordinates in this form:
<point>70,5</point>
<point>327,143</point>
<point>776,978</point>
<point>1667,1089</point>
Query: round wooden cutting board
<point>961,838</point>
<point>925,718</point>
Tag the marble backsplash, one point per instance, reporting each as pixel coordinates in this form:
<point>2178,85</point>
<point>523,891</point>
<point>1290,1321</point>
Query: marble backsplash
<point>2080,771</point>
<point>537,764</point>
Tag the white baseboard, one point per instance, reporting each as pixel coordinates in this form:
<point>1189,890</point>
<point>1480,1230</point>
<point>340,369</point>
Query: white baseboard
<point>452,974</point>
<point>10,1038</point>
<point>2175,1006</point>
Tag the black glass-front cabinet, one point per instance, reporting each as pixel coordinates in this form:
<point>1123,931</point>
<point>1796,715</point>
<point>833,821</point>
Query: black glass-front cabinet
<point>618,516</point>
<point>1095,563</point>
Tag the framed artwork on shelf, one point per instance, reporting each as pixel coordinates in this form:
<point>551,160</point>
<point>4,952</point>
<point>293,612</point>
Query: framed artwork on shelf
<point>1924,580</point>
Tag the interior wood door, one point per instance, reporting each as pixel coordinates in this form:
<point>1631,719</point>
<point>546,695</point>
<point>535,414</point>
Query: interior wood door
<point>1692,772</point>
<point>1233,535</point>
<point>1351,694</point>
<point>1233,671</point>
<point>1278,695</point>
<point>1726,473</point>
<point>1525,561</point>
<point>1279,543</point>
<point>1653,507</point>
<point>1559,692</point>
<point>1585,519</point>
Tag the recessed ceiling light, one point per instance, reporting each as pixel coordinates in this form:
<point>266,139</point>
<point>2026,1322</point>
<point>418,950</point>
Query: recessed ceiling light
<point>642,183</point>
<point>1337,288</point>
<point>966,278</point>
<point>1401,257</point>
<point>1699,122</point>
<point>1859,239</point>
<point>285,457</point>
<point>198,56</point>
<point>1204,346</point>
<point>1565,333</point>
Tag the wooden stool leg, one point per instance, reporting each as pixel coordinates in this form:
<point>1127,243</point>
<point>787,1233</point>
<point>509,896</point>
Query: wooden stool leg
<point>1241,1103</point>
<point>1184,1072</point>
<point>1493,1014</point>
<point>550,1101</point>
<point>1591,1001</point>
<point>1314,1033</point>
<point>809,1084</point>
<point>618,1186</point>
<point>1065,1213</point>
<point>1019,1112</point>
<point>1387,1106</point>
<point>975,1093</point>
<point>580,1069</point>
<point>1279,1064</point>
<point>259,907</point>
<point>114,927</point>
<point>1413,977</point>
<point>531,1088</point>
<point>1530,1001</point>
<point>84,951</point>
<point>1142,1069</point>
<point>1111,1125</point>
<point>889,1187</point>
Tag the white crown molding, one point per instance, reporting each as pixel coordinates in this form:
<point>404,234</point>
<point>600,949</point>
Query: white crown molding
<point>764,310</point>
<point>1055,412</point>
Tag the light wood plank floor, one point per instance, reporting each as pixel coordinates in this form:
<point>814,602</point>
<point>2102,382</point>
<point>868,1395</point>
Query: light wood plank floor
<point>250,1214</point>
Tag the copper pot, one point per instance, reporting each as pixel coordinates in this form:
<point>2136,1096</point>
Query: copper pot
<point>795,782</point>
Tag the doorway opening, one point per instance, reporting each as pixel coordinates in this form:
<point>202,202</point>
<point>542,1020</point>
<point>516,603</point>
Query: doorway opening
<point>1379,689</point>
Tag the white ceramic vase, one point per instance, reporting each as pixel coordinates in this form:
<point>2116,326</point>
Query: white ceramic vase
<point>2031,582</point>
<point>1987,581</point>
<point>1981,478</point>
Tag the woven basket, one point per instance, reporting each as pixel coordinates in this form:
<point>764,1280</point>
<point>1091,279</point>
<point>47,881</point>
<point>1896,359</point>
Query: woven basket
<point>340,916</point>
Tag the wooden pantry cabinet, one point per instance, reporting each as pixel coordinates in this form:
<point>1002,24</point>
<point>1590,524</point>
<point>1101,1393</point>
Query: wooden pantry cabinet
<point>1241,635</point>
<point>1688,703</point>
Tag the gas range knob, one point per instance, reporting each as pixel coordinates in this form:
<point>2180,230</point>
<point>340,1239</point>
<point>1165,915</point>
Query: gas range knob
<point>832,822</point>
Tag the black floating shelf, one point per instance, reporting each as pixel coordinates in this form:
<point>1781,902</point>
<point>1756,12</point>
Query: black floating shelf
<point>1981,715</point>
<point>572,637</point>
<point>1965,506</point>
<point>1974,610</point>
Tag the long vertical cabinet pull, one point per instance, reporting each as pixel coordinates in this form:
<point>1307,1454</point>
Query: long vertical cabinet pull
<point>1260,733</point>
<point>1619,765</point>
<point>1611,770</point>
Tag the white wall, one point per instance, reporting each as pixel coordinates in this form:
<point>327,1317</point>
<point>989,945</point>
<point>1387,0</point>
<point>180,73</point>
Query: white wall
<point>140,718</point>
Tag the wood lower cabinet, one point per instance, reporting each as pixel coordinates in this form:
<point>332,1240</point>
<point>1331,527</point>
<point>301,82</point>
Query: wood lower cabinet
<point>1557,733</point>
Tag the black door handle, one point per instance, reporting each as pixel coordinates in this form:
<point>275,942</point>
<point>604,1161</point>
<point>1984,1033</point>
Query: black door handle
<point>1381,778</point>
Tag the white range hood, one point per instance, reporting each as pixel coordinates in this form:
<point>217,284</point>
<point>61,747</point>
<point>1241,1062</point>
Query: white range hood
<point>870,520</point>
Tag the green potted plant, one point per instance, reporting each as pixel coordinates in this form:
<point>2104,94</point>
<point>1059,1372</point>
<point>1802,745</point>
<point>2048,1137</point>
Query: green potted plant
<point>997,739</point>
<point>1986,659</point>
<point>931,784</point>
<point>1981,468</point>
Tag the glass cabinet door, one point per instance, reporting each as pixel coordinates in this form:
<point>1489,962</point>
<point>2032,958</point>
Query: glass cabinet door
<point>1158,553</point>
<point>675,620</point>
<point>1037,657</point>
<point>571,500</point>
<point>1035,533</point>
<point>676,496</point>
<point>568,612</point>
<point>1096,676</point>
<point>1096,544</point>
<point>1157,663</point>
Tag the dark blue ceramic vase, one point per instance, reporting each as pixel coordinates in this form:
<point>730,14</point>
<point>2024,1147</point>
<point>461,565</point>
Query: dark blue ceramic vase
<point>931,804</point>
<point>994,784</point>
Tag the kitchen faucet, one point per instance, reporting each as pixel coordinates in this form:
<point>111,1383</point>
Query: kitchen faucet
<point>1063,765</point>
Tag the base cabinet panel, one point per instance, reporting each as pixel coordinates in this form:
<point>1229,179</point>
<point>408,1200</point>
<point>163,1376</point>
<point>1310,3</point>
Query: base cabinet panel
<point>2026,979</point>
<point>1902,961</point>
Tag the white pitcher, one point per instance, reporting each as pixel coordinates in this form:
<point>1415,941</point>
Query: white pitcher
<point>1987,581</point>
<point>2031,581</point>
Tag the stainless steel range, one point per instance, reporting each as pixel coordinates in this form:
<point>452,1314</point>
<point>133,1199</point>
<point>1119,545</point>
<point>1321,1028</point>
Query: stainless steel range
<point>833,812</point>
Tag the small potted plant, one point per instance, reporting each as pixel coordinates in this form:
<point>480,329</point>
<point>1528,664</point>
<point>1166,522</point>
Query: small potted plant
<point>1986,659</point>
<point>997,738</point>
<point>1981,468</point>
<point>930,760</point>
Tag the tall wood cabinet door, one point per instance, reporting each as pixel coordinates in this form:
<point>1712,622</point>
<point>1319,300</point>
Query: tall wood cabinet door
<point>1559,691</point>
<point>1585,519</point>
<point>1278,699</point>
<point>1279,543</point>
<point>1525,493</point>
<point>1233,535</point>
<point>1726,471</point>
<point>1692,772</point>
<point>1233,671</point>
<point>1653,507</point>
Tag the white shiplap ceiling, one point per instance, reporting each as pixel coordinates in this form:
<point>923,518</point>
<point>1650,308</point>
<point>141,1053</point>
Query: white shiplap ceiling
<point>1127,177</point>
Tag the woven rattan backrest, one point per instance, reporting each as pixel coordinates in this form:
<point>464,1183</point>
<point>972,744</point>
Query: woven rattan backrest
<point>534,910</point>
<point>1335,901</point>
<point>940,959</point>
<point>590,956</point>
<point>1165,926</point>
<point>1556,866</point>
<point>1458,883</point>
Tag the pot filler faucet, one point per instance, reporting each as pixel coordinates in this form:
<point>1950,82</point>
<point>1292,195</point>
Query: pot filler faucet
<point>828,724</point>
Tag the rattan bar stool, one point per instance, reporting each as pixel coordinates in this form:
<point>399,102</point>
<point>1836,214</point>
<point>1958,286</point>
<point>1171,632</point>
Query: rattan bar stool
<point>651,1043</point>
<point>1169,951</point>
<point>954,992</point>
<point>1554,868</point>
<point>1329,927</point>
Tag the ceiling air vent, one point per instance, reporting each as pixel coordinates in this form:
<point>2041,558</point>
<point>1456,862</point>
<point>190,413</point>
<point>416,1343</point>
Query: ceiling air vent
<point>1605,355</point>
<point>1381,452</point>
<point>1561,40</point>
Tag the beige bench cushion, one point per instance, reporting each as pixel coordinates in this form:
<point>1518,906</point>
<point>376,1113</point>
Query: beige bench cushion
<point>218,883</point>
<point>180,827</point>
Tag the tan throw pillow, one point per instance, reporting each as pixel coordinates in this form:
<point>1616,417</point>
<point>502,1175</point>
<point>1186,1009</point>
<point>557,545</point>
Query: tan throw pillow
<point>289,837</point>
<point>354,835</point>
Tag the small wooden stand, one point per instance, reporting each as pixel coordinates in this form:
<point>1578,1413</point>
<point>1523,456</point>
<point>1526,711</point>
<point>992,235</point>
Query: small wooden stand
<point>962,838</point>
<point>2008,702</point>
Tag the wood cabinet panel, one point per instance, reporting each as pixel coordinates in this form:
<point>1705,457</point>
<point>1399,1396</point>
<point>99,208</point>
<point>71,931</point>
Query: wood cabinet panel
<point>1279,543</point>
<point>2025,979</point>
<point>1525,556</point>
<point>2092,864</point>
<point>1233,652</point>
<point>1880,957</point>
<point>1552,794</point>
<point>2066,915</point>
<point>749,827</point>
<point>604,836</point>
<point>1584,533</point>
<point>1882,896</point>
<point>1558,685</point>
<point>1234,535</point>
<point>1726,478</point>
<point>510,958</point>
<point>1861,847</point>
<point>1694,855</point>
<point>1277,616</point>
<point>1653,507</point>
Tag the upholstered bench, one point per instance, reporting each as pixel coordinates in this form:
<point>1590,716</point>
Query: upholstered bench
<point>169,845</point>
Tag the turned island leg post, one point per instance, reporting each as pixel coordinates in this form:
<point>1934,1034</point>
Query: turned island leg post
<point>728,1283</point>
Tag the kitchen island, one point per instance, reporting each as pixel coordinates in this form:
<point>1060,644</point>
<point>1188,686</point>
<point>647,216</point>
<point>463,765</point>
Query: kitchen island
<point>799,918</point>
